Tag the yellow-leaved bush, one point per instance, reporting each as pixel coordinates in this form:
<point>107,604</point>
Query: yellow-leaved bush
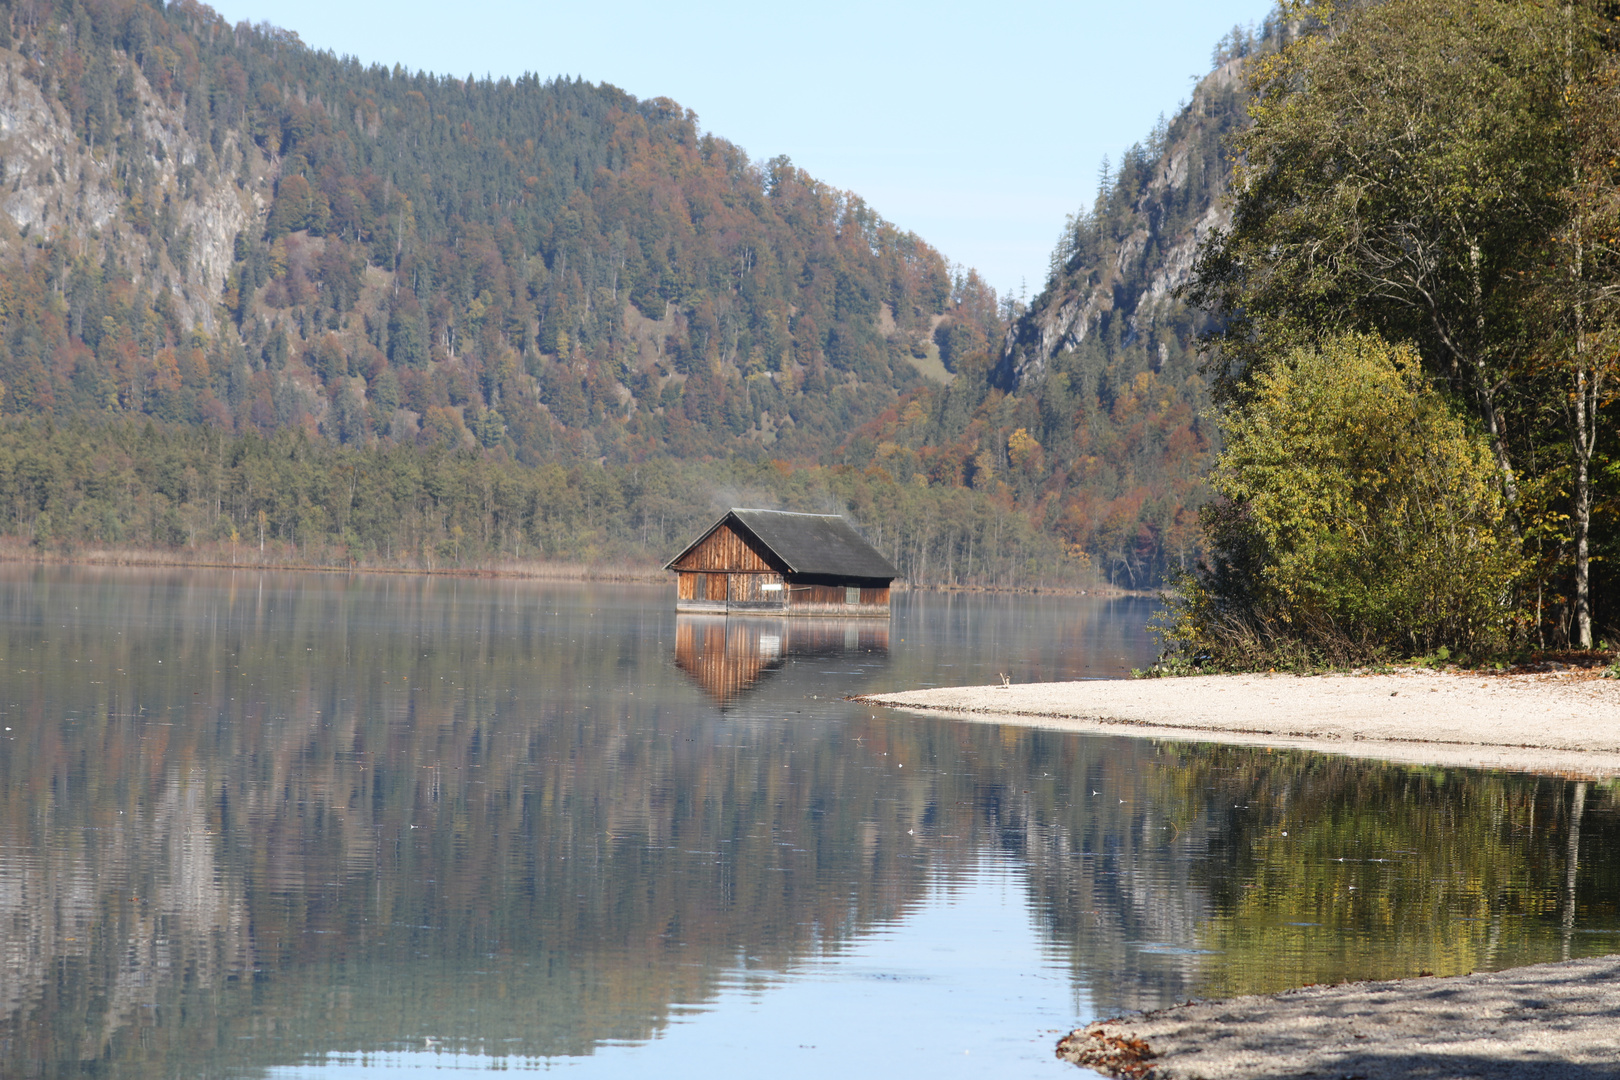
<point>1360,518</point>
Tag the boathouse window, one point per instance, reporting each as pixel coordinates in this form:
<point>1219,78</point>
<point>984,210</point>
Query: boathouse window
<point>852,594</point>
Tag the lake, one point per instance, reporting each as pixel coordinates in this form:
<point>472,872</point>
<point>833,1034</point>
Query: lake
<point>277,825</point>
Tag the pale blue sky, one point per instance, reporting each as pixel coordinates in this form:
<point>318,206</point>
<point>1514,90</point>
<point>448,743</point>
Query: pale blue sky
<point>977,126</point>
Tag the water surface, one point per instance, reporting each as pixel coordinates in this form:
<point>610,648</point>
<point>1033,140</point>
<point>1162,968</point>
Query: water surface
<point>280,825</point>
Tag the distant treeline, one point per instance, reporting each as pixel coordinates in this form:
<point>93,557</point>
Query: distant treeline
<point>289,497</point>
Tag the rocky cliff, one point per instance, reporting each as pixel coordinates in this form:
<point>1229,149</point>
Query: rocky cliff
<point>1092,408</point>
<point>1118,266</point>
<point>177,228</point>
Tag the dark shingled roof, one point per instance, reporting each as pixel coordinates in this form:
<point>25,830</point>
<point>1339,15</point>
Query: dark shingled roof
<point>807,543</point>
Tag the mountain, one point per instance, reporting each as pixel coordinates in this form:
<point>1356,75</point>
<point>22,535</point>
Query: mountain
<point>1087,411</point>
<point>540,318</point>
<point>1117,268</point>
<point>217,224</point>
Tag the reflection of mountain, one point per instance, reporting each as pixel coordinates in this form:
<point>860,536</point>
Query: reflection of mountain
<point>246,819</point>
<point>346,811</point>
<point>728,656</point>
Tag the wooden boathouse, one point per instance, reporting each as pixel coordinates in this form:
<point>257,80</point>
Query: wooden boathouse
<point>768,562</point>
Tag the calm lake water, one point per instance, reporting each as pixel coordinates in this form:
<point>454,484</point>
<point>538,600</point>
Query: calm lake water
<point>309,826</point>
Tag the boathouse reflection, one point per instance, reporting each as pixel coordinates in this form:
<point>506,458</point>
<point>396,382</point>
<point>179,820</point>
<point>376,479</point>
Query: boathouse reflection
<point>727,657</point>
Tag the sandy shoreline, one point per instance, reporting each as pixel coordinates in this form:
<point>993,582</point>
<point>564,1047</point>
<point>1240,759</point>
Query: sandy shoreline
<point>1566,723</point>
<point>1547,1020</point>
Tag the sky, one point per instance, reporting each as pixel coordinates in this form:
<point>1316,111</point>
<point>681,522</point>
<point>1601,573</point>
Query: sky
<point>980,128</point>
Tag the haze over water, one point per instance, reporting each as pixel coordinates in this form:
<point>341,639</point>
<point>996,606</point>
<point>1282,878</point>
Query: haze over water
<point>314,825</point>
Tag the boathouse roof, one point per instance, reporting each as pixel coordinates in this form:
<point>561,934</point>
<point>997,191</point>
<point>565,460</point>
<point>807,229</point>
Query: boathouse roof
<point>823,544</point>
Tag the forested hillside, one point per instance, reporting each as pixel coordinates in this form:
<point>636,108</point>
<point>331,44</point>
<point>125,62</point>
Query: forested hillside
<point>373,252</point>
<point>216,226</point>
<point>291,497</point>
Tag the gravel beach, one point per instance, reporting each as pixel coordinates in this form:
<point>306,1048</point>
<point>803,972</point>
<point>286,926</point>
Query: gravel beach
<point>1545,1021</point>
<point>1563,723</point>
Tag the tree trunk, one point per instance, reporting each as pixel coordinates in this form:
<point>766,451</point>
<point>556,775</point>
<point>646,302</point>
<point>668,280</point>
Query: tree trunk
<point>1581,439</point>
<point>1584,435</point>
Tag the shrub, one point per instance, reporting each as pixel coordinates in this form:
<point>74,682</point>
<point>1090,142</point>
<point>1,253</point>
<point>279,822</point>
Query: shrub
<point>1360,518</point>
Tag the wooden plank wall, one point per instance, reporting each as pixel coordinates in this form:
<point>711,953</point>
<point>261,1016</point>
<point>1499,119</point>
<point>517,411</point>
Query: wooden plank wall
<point>715,586</point>
<point>750,588</point>
<point>834,594</point>
<point>875,596</point>
<point>723,550</point>
<point>817,594</point>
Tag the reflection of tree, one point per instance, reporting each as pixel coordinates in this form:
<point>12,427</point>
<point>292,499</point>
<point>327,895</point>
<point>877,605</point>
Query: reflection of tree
<point>316,814</point>
<point>1245,871</point>
<point>727,656</point>
<point>1395,870</point>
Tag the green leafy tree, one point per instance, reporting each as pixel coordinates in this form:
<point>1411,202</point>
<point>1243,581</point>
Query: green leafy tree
<point>1412,170</point>
<point>1362,518</point>
<point>1578,291</point>
<point>407,337</point>
<point>1402,162</point>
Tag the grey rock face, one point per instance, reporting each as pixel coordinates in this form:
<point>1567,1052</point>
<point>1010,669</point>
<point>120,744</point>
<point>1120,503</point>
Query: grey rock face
<point>58,185</point>
<point>1145,259</point>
